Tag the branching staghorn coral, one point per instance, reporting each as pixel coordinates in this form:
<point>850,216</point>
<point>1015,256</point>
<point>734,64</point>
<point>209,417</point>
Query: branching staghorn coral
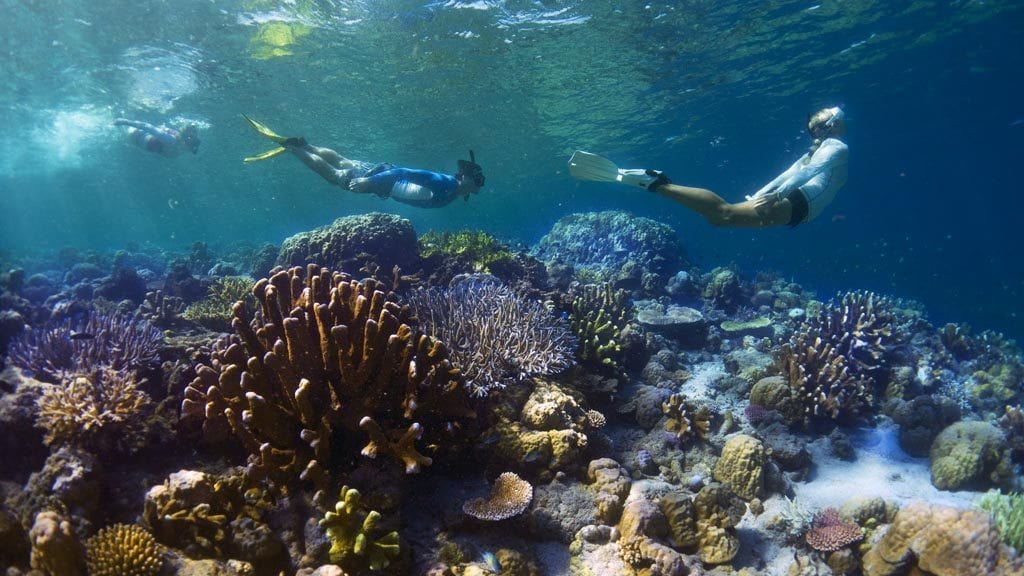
<point>496,335</point>
<point>102,412</point>
<point>326,358</point>
<point>215,311</point>
<point>357,542</point>
<point>104,340</point>
<point>832,359</point>
<point>161,310</point>
<point>599,314</point>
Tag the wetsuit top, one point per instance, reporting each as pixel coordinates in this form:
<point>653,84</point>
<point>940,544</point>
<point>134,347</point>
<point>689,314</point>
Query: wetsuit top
<point>421,188</point>
<point>818,175</point>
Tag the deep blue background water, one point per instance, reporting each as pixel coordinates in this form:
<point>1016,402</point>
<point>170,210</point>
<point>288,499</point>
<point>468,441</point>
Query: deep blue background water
<point>714,93</point>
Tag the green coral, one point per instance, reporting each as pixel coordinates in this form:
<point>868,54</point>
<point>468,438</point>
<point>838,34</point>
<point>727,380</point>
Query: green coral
<point>599,315</point>
<point>1007,511</point>
<point>215,311</point>
<point>996,386</point>
<point>355,544</point>
<point>479,249</point>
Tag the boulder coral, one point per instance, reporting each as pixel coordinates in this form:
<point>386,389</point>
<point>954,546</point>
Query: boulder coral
<point>352,243</point>
<point>970,454</point>
<point>741,466</point>
<point>941,540</point>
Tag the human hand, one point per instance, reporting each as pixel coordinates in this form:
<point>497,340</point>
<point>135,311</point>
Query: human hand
<point>359,184</point>
<point>765,202</point>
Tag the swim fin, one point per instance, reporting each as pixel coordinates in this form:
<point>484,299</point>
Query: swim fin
<point>264,130</point>
<point>587,166</point>
<point>265,155</point>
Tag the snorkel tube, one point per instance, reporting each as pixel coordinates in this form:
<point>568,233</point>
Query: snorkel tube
<point>470,169</point>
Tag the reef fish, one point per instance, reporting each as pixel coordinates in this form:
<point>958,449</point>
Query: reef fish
<point>81,336</point>
<point>491,561</point>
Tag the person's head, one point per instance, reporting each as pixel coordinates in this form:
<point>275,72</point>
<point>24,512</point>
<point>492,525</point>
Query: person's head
<point>470,176</point>
<point>826,123</point>
<point>190,138</point>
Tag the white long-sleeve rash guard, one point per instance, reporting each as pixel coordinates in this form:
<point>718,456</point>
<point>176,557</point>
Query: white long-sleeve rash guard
<point>818,175</point>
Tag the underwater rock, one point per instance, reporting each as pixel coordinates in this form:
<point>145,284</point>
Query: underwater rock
<point>559,511</point>
<point>21,443</point>
<point>645,405</point>
<point>14,544</point>
<point>921,420</point>
<point>352,243</point>
<point>123,284</point>
<point>72,477</point>
<point>971,455</point>
<point>685,325</point>
<point>774,393</point>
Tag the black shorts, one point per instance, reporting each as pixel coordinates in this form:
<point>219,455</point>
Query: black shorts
<point>801,208</point>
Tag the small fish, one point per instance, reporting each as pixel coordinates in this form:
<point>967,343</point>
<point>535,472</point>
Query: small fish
<point>491,561</point>
<point>81,336</point>
<point>838,217</point>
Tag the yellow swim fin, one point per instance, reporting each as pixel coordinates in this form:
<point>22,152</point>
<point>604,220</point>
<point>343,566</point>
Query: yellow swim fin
<point>265,155</point>
<point>264,130</point>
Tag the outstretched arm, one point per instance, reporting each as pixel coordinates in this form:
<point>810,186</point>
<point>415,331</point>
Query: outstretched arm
<point>162,134</point>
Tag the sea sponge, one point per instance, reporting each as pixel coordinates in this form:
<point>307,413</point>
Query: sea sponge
<point>357,544</point>
<point>941,540</point>
<point>123,550</point>
<point>510,496</point>
<point>742,466</point>
<point>970,454</point>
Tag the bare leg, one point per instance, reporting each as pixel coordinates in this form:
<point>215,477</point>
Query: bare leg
<point>326,162</point>
<point>718,212</point>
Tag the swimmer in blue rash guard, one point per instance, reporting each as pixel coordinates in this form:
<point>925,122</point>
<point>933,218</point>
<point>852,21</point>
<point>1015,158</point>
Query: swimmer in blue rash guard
<point>420,188</point>
<point>161,140</point>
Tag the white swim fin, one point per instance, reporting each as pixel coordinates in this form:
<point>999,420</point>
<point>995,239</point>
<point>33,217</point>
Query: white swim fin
<point>587,166</point>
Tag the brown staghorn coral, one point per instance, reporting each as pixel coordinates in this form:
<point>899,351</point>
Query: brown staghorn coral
<point>829,532</point>
<point>859,326</point>
<point>102,412</point>
<point>326,354</point>
<point>685,419</point>
<point>824,386</point>
<point>509,496</point>
<point>123,550</point>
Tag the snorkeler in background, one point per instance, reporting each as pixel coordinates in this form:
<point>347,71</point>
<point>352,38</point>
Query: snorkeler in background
<point>421,188</point>
<point>796,196</point>
<point>161,140</point>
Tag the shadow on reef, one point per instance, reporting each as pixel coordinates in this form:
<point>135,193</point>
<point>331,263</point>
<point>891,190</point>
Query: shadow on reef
<point>361,400</point>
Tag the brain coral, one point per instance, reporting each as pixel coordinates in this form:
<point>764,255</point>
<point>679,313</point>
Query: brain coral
<point>970,455</point>
<point>742,466</point>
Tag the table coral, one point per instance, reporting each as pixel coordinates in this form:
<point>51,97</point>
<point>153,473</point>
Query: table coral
<point>123,550</point>
<point>509,496</point>
<point>326,355</point>
<point>357,543</point>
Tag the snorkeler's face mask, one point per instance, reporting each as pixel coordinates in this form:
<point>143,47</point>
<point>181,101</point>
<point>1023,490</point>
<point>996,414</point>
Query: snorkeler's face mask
<point>471,170</point>
<point>835,118</point>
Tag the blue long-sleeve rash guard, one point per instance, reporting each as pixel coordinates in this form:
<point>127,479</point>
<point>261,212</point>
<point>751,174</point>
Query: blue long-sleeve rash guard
<point>421,188</point>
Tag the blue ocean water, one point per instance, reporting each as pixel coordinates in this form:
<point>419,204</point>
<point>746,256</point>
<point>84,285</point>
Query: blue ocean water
<point>714,93</point>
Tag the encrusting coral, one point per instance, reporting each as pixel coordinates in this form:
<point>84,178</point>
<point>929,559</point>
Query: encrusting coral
<point>123,550</point>
<point>599,314</point>
<point>509,496</point>
<point>497,336</point>
<point>326,353</point>
<point>356,540</point>
<point>101,412</point>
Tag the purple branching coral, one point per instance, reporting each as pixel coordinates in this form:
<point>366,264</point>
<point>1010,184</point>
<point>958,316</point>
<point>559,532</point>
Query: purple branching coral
<point>118,341</point>
<point>833,358</point>
<point>496,335</point>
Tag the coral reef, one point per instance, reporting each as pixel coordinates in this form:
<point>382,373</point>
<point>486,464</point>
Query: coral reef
<point>1007,512</point>
<point>496,335</point>
<point>685,325</point>
<point>724,290</point>
<point>611,484</point>
<point>617,247</point>
<point>823,385</point>
<point>55,548</point>
<point>686,419</point>
<point>476,249</point>
<point>103,412</point>
<point>940,540</point>
<point>509,497</point>
<point>742,466</point>
<point>358,542</point>
<point>351,243</point>
<point>970,455</point>
<point>599,315</point>
<point>215,311</point>
<point>117,341</point>
<point>160,309</point>
<point>829,532</point>
<point>326,353</point>
<point>122,550</point>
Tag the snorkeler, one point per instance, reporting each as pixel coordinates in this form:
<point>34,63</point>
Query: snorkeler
<point>421,188</point>
<point>161,140</point>
<point>796,196</point>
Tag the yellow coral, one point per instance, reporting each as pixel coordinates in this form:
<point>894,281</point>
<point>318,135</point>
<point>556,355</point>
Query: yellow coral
<point>123,550</point>
<point>510,495</point>
<point>742,466</point>
<point>355,544</point>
